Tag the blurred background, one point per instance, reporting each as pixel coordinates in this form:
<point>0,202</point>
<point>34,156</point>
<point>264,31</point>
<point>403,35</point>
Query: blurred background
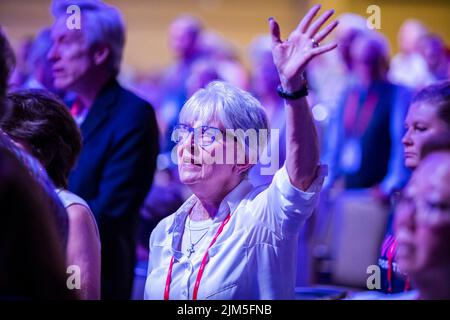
<point>238,21</point>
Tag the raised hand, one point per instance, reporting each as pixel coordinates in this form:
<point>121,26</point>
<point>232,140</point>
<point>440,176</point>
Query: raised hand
<point>292,56</point>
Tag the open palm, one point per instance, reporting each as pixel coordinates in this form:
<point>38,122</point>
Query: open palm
<point>292,56</point>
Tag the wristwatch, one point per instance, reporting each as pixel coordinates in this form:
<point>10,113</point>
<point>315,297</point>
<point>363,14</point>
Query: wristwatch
<point>303,92</point>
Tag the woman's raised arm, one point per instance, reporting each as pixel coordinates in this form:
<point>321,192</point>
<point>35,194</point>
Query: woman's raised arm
<point>291,58</point>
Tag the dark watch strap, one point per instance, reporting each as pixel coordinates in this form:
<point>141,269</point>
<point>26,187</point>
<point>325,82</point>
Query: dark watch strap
<point>303,92</point>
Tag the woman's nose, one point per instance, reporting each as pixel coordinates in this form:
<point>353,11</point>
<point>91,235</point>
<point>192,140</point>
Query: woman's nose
<point>406,140</point>
<point>52,54</point>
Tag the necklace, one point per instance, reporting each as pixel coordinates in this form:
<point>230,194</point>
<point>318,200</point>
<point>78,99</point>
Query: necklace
<point>191,249</point>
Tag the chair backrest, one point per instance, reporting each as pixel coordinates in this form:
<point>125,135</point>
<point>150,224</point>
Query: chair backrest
<point>359,224</point>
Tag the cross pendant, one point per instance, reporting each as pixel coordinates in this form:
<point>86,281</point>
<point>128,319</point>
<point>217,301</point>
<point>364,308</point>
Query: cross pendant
<point>190,250</point>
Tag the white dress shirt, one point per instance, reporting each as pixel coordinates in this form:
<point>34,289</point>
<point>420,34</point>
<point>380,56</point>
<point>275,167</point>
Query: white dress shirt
<point>255,255</point>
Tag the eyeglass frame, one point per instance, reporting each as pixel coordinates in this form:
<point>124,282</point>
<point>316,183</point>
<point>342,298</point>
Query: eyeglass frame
<point>195,133</point>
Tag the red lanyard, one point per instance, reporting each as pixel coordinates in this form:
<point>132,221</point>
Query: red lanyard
<point>202,265</point>
<point>356,122</point>
<point>391,250</point>
<point>390,255</point>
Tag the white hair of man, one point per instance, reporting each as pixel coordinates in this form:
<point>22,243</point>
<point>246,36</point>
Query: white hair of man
<point>234,108</point>
<point>101,24</point>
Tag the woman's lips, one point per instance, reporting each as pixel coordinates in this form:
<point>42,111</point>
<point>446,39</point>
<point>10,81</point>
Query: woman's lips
<point>57,71</point>
<point>410,154</point>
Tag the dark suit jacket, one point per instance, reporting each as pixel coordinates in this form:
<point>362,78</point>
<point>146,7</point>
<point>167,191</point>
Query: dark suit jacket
<point>114,174</point>
<point>375,141</point>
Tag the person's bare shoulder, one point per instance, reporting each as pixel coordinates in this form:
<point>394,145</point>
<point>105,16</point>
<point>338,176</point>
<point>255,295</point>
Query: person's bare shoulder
<point>81,220</point>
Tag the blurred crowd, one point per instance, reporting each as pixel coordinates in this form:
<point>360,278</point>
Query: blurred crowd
<point>364,98</point>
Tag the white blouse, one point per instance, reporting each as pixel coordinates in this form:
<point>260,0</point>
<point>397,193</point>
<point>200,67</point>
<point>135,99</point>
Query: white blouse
<point>68,199</point>
<point>253,258</point>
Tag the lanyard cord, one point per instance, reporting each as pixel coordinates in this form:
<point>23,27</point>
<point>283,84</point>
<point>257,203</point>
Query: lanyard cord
<point>202,265</point>
<point>390,255</point>
<point>391,250</point>
<point>357,120</point>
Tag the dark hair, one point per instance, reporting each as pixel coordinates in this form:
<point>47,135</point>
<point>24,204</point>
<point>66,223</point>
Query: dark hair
<point>32,263</point>
<point>45,124</point>
<point>438,95</point>
<point>435,144</point>
<point>7,64</point>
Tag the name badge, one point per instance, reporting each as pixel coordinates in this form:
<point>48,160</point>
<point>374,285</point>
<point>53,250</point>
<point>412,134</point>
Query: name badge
<point>351,156</point>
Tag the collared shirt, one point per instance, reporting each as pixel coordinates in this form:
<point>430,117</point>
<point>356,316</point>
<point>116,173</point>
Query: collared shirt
<point>255,255</point>
<point>79,112</point>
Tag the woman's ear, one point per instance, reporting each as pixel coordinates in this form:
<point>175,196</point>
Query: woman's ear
<point>101,54</point>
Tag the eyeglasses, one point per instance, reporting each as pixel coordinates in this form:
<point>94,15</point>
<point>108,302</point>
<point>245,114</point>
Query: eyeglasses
<point>203,135</point>
<point>429,210</point>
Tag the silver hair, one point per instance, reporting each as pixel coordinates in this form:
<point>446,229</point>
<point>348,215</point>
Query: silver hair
<point>101,24</point>
<point>234,108</point>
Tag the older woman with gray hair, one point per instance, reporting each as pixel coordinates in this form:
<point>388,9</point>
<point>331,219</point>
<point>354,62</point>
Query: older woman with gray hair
<point>231,240</point>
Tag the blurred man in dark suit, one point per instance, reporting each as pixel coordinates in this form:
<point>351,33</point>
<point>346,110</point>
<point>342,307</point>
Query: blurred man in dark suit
<point>120,135</point>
